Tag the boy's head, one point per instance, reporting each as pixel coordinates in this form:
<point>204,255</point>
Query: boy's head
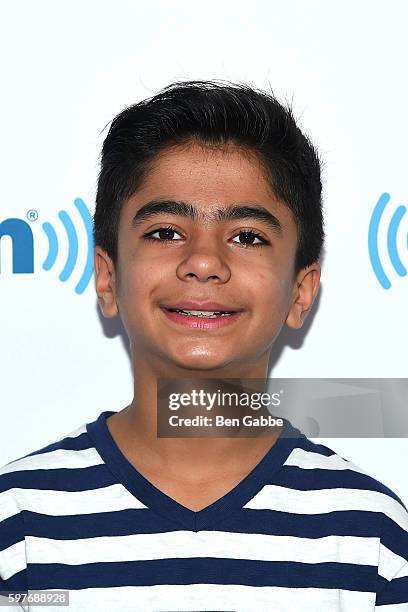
<point>188,155</point>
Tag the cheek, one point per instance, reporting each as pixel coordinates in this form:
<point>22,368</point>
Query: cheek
<point>270,294</point>
<point>266,285</point>
<point>137,283</point>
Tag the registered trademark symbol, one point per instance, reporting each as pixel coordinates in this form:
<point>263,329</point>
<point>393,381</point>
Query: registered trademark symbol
<point>32,214</point>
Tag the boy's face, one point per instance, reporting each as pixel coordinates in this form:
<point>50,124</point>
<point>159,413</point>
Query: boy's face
<point>206,260</point>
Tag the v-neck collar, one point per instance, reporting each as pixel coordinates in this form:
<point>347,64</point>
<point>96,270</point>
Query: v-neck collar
<point>162,504</point>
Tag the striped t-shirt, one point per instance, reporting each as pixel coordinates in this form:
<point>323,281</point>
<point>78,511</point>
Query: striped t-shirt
<point>305,530</point>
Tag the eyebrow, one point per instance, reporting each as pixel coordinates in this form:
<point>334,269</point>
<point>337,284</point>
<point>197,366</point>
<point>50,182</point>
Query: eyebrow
<point>228,213</point>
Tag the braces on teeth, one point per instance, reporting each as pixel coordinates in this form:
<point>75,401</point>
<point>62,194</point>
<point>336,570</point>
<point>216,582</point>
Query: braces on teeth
<point>205,314</point>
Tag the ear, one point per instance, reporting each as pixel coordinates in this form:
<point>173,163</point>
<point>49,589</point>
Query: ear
<point>105,283</point>
<point>304,292</point>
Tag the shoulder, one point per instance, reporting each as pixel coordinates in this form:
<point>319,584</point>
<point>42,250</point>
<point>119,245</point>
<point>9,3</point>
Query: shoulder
<point>43,469</point>
<point>338,486</point>
<point>329,469</point>
<point>344,487</point>
<point>51,454</point>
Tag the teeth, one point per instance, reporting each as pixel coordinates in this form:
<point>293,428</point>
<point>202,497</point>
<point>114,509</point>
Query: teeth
<point>204,313</point>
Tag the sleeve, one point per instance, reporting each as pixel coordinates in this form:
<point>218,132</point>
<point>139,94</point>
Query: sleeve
<point>392,596</point>
<point>13,563</point>
<point>392,583</point>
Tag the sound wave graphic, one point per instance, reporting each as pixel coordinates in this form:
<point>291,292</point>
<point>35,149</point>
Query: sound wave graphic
<point>73,246</point>
<point>391,240</point>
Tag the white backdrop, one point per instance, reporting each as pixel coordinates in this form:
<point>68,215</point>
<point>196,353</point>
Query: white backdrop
<point>68,67</point>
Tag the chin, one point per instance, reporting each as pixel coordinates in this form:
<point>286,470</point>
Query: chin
<point>202,362</point>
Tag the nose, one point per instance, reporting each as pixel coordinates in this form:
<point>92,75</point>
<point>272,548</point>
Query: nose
<point>204,262</point>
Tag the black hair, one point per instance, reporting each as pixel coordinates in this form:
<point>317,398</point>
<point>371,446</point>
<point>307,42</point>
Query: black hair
<point>213,113</point>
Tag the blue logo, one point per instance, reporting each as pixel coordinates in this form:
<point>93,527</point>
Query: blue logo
<point>23,244</point>
<point>391,241</point>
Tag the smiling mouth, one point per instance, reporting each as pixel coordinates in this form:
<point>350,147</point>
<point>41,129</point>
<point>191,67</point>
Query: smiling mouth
<point>201,319</point>
<point>205,314</point>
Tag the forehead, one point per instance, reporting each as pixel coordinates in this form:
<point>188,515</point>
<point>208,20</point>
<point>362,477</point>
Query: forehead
<point>209,177</point>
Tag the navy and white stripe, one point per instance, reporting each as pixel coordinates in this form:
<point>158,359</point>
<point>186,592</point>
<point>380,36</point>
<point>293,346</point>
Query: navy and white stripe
<point>306,530</point>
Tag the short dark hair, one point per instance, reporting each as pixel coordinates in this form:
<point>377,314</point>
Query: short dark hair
<point>212,113</point>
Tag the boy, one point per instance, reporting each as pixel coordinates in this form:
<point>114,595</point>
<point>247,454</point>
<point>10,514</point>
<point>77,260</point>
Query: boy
<point>208,207</point>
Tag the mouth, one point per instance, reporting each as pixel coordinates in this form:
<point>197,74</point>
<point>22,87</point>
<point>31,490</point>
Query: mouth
<point>201,319</point>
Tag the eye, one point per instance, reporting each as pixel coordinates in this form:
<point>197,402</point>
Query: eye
<point>165,234</point>
<point>250,235</point>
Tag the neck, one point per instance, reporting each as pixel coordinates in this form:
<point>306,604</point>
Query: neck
<point>195,458</point>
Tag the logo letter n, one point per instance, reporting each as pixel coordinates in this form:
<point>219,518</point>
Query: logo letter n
<point>23,244</point>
